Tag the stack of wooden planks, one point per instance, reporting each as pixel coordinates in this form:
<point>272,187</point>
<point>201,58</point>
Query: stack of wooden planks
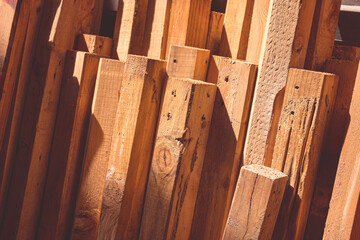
<point>185,124</point>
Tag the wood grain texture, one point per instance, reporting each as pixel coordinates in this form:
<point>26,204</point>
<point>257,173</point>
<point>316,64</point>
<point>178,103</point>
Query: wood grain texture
<point>131,148</point>
<point>235,34</point>
<point>156,29</point>
<point>188,62</point>
<point>96,156</point>
<point>276,55</point>
<point>236,81</point>
<point>323,33</point>
<point>36,105</point>
<point>129,28</point>
<point>98,45</point>
<point>178,158</point>
<point>308,104</point>
<point>215,30</point>
<point>343,217</point>
<point>68,145</point>
<point>194,17</point>
<point>6,20</point>
<point>256,203</point>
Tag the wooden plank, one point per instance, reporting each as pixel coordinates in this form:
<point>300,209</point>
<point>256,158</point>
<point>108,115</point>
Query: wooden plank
<point>188,62</point>
<point>215,30</point>
<point>96,156</point>
<point>129,28</point>
<point>36,103</point>
<point>236,81</point>
<point>235,34</point>
<point>308,103</point>
<point>323,33</point>
<point>194,18</point>
<point>178,158</point>
<point>68,145</point>
<point>131,148</point>
<point>276,56</point>
<point>156,29</point>
<point>98,45</point>
<point>256,203</point>
<point>343,217</point>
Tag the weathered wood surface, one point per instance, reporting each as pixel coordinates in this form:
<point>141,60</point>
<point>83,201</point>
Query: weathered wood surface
<point>96,156</point>
<point>178,158</point>
<point>68,144</point>
<point>308,104</point>
<point>36,106</point>
<point>98,45</point>
<point>235,34</point>
<point>256,203</point>
<point>189,23</point>
<point>188,62</point>
<point>343,217</point>
<point>215,30</point>
<point>222,163</point>
<point>276,55</point>
<point>131,147</point>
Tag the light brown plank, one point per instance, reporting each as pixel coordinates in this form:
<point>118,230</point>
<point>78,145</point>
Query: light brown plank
<point>343,217</point>
<point>7,12</point>
<point>178,158</point>
<point>98,45</point>
<point>131,148</point>
<point>235,34</point>
<point>256,203</point>
<point>308,104</point>
<point>215,30</point>
<point>188,62</point>
<point>96,156</point>
<point>68,145</point>
<point>236,81</point>
<point>276,55</point>
<point>129,28</point>
<point>189,23</point>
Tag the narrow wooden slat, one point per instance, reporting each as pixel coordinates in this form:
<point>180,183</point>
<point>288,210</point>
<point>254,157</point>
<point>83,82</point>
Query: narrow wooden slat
<point>276,55</point>
<point>36,106</point>
<point>189,23</point>
<point>178,158</point>
<point>236,81</point>
<point>96,157</point>
<point>343,217</point>
<point>308,103</point>
<point>188,62</point>
<point>68,145</point>
<point>156,29</point>
<point>131,147</point>
<point>235,34</point>
<point>215,30</point>
<point>129,28</point>
<point>256,203</point>
<point>98,45</point>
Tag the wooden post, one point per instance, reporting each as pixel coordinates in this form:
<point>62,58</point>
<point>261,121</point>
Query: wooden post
<point>178,158</point>
<point>235,34</point>
<point>188,62</point>
<point>343,217</point>
<point>96,157</point>
<point>131,148</point>
<point>156,29</point>
<point>222,163</point>
<point>282,32</point>
<point>256,203</point>
<point>189,23</point>
<point>129,28</point>
<point>308,103</point>
<point>98,45</point>
<point>36,106</point>
<point>215,30</point>
<point>68,145</point>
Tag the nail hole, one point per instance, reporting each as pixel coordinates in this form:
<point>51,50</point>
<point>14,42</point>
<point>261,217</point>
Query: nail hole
<point>292,112</point>
<point>227,79</point>
<point>169,115</point>
<point>173,93</point>
<point>208,95</point>
<point>175,61</point>
<point>297,87</point>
